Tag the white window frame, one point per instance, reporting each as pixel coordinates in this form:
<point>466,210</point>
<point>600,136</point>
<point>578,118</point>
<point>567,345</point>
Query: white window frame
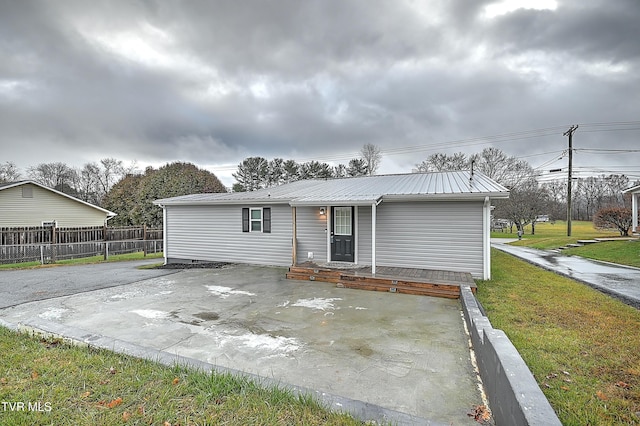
<point>252,220</point>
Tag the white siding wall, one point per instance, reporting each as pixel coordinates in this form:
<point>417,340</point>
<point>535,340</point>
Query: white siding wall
<point>431,235</point>
<point>311,233</point>
<point>214,233</point>
<point>45,206</point>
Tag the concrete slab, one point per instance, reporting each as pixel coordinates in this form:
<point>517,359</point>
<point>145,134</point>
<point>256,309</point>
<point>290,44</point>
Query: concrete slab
<point>401,352</point>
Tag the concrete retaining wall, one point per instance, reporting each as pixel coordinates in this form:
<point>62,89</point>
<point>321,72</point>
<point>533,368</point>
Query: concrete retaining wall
<point>514,395</point>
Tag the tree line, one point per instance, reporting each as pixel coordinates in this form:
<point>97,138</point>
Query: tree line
<point>597,198</point>
<point>257,172</point>
<point>123,190</point>
<point>130,193</point>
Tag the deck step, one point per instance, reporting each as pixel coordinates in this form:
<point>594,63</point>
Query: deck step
<point>449,293</point>
<point>357,279</point>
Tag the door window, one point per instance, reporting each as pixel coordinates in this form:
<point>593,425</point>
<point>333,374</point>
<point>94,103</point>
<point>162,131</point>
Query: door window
<point>342,221</point>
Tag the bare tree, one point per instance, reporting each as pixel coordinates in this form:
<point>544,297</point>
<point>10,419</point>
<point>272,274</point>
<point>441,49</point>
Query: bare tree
<point>9,172</point>
<point>440,162</point>
<point>509,171</point>
<point>618,217</point>
<point>524,204</point>
<point>58,176</point>
<point>371,156</point>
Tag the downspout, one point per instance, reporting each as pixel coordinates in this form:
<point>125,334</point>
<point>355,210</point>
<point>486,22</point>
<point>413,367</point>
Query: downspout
<point>486,239</point>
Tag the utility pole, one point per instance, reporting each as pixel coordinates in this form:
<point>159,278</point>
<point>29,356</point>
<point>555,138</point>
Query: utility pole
<point>569,133</point>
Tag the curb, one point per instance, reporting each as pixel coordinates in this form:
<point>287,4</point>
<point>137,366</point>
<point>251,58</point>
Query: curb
<point>514,395</point>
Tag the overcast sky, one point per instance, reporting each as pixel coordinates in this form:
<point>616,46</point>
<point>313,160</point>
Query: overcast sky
<point>213,82</point>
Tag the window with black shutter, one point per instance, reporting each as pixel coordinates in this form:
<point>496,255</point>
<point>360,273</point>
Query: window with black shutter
<point>256,219</point>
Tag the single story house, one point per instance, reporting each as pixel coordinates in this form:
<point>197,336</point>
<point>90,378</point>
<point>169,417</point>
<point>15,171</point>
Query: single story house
<point>417,220</point>
<point>635,205</point>
<point>28,203</point>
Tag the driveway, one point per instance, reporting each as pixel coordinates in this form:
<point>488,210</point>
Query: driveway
<point>400,352</point>
<point>27,285</point>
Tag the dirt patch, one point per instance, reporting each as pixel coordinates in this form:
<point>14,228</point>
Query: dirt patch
<point>207,316</point>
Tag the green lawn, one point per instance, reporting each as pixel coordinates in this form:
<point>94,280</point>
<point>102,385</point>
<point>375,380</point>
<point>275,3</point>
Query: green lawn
<point>70,385</point>
<point>583,347</point>
<point>553,235</point>
<point>84,260</point>
<point>622,252</point>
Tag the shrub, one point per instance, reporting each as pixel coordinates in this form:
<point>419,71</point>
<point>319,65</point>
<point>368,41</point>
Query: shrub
<point>618,217</point>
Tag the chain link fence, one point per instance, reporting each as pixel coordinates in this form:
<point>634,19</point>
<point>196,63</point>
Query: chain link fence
<point>50,253</point>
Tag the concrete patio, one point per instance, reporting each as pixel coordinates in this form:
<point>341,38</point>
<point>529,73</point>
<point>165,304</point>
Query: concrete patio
<point>404,353</point>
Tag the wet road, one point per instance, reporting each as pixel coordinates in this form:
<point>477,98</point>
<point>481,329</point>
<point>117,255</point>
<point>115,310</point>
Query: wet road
<point>620,281</point>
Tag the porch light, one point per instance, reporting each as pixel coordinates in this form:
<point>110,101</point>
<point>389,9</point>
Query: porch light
<point>322,212</point>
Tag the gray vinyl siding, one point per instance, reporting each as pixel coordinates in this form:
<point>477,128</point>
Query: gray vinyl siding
<point>45,206</point>
<point>430,235</point>
<point>311,234</point>
<point>364,235</point>
<point>214,233</point>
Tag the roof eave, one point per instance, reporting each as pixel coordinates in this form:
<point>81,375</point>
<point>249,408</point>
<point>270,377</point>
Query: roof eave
<point>448,197</point>
<point>163,203</point>
<point>335,203</point>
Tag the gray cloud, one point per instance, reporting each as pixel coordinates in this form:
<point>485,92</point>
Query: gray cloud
<point>214,82</point>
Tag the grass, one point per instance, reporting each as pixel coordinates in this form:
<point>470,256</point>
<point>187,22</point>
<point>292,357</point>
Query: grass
<point>84,386</point>
<point>582,347</point>
<point>553,235</point>
<point>84,260</point>
<point>622,252</point>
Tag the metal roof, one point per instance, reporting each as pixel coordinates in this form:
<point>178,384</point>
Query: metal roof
<point>360,190</point>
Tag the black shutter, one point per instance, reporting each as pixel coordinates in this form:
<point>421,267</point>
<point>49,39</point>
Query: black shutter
<point>245,220</point>
<point>266,219</point>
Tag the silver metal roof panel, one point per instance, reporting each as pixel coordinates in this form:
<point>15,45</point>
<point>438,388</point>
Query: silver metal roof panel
<point>360,190</point>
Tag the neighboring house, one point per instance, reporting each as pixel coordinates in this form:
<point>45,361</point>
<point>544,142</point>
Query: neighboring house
<point>28,203</point>
<point>635,205</point>
<point>418,220</point>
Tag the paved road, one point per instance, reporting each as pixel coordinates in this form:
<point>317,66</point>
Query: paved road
<point>620,281</point>
<point>28,285</point>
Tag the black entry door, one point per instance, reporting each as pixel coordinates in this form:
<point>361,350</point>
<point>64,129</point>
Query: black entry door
<point>342,239</point>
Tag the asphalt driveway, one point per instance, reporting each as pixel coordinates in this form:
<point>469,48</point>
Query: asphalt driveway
<point>400,352</point>
<point>27,285</point>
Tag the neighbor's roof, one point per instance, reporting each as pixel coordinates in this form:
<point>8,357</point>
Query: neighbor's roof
<point>359,190</point>
<point>8,185</point>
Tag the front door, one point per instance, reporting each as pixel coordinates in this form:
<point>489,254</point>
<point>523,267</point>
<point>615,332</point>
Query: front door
<point>342,239</point>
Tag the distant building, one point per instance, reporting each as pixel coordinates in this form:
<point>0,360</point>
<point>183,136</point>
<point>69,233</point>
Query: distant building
<point>28,203</point>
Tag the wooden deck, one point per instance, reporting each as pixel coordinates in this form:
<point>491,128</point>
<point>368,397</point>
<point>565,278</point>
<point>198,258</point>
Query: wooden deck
<point>425,282</point>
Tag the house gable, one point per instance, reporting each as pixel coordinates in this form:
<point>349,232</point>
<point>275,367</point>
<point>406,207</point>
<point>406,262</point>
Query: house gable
<point>27,203</point>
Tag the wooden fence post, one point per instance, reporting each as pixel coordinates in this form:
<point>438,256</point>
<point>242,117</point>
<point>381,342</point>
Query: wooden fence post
<point>144,239</point>
<point>53,243</point>
<point>104,236</point>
